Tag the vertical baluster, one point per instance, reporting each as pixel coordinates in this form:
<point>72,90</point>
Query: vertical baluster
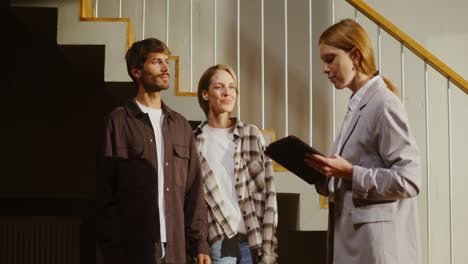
<point>428,172</point>
<point>402,72</point>
<point>286,105</point>
<point>262,29</point>
<point>379,49</point>
<point>143,19</point>
<point>238,61</point>
<point>167,21</point>
<point>191,45</point>
<point>215,29</point>
<point>96,8</point>
<point>310,75</point>
<point>120,8</point>
<point>449,114</point>
<point>333,86</point>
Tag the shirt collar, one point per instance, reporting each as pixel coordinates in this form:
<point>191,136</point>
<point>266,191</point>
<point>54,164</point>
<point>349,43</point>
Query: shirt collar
<point>134,110</point>
<point>357,96</point>
<point>238,131</point>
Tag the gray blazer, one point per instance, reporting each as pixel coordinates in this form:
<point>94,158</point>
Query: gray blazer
<point>374,218</point>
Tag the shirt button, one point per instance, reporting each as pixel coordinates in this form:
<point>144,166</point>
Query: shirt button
<point>167,189</point>
<point>151,140</point>
<point>167,163</point>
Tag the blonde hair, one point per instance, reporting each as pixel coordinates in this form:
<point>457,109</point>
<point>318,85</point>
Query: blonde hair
<point>348,35</point>
<point>205,81</point>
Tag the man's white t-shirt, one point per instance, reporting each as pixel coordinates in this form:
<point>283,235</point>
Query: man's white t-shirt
<point>156,117</point>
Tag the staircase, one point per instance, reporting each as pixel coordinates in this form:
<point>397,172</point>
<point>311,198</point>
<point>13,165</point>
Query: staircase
<point>51,117</point>
<point>58,115</point>
<point>53,137</point>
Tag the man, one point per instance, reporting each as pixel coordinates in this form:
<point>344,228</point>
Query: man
<point>150,194</point>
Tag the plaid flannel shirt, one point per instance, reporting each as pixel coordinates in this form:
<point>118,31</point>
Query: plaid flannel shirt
<point>253,173</point>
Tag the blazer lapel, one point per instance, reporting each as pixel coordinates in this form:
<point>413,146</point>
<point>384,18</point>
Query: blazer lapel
<point>350,129</point>
<point>335,143</point>
<point>362,104</point>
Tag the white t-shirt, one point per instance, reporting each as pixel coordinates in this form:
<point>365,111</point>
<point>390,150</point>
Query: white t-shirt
<point>218,151</point>
<point>156,117</point>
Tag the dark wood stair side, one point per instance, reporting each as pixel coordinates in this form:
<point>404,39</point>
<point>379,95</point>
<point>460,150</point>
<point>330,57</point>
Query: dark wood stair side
<point>54,100</point>
<point>51,116</point>
<point>48,109</point>
<point>297,246</point>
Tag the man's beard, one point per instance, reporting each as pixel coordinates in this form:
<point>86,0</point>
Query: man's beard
<point>152,87</point>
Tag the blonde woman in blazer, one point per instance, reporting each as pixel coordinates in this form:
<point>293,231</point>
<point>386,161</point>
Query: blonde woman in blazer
<point>374,177</point>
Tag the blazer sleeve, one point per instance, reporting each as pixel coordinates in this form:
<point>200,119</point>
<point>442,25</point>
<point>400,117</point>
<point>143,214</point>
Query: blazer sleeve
<point>400,175</point>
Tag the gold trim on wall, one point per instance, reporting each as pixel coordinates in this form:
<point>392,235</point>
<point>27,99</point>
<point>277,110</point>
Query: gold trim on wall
<point>177,91</point>
<point>323,201</point>
<point>176,74</point>
<point>86,8</point>
<point>87,14</point>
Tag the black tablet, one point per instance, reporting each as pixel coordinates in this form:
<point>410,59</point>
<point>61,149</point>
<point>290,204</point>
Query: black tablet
<point>290,152</point>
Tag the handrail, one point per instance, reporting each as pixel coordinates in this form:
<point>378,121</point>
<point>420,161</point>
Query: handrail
<point>87,14</point>
<point>411,44</point>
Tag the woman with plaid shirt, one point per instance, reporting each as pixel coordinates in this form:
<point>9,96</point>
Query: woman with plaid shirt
<point>237,176</point>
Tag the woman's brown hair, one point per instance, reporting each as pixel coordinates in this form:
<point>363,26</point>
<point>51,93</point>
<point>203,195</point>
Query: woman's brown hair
<point>348,35</point>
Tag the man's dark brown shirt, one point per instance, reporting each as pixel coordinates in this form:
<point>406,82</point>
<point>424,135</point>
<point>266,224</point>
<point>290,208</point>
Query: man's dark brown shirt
<point>128,217</point>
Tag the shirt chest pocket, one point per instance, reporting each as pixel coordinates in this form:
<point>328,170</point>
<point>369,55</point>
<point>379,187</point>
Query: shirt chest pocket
<point>181,161</point>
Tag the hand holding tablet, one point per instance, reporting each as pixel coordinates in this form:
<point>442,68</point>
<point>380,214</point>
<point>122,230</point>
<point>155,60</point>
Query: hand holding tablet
<point>290,153</point>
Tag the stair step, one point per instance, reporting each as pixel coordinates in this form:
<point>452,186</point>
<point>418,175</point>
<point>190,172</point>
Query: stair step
<point>288,211</point>
<point>297,246</point>
<point>49,102</point>
<point>302,247</point>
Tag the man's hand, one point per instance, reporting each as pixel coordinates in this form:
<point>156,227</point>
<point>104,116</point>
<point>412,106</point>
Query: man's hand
<point>203,259</point>
<point>333,165</point>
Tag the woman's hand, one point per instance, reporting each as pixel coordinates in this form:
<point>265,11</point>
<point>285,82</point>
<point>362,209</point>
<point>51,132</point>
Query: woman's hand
<point>333,165</point>
<point>203,259</point>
